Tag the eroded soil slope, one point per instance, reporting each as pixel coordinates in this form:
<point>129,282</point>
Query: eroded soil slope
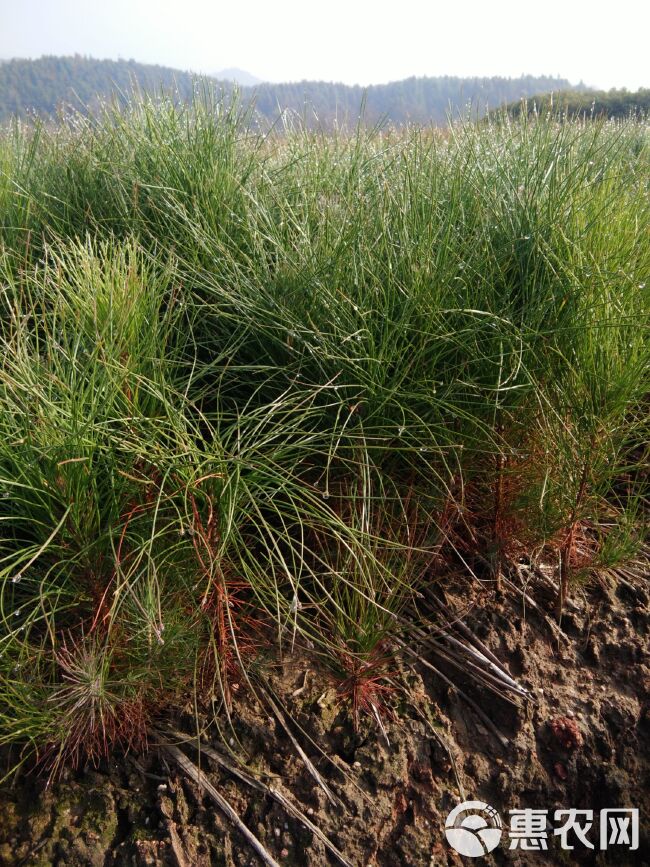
<point>584,742</point>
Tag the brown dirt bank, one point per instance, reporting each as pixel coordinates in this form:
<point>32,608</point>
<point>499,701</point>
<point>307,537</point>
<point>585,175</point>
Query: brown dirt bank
<point>584,743</point>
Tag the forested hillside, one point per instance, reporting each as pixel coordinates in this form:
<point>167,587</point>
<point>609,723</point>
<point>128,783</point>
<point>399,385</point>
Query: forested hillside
<point>46,84</point>
<point>419,100</point>
<point>592,103</point>
<point>43,85</point>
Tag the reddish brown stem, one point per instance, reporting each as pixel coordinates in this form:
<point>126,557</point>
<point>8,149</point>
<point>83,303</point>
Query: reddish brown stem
<point>567,547</point>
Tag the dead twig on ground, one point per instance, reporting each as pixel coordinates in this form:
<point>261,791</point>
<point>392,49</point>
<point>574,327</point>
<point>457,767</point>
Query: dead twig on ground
<point>194,773</point>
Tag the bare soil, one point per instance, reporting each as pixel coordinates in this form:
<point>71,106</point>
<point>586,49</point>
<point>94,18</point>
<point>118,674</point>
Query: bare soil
<point>584,742</point>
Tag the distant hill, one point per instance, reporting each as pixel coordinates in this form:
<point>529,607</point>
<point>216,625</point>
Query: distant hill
<point>413,100</point>
<point>590,103</point>
<point>43,86</point>
<point>239,76</point>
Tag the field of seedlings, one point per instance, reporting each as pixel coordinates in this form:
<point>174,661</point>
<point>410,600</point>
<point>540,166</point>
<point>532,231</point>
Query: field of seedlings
<point>297,402</point>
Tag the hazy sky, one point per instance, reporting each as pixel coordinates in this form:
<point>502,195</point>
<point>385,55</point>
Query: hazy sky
<point>355,41</point>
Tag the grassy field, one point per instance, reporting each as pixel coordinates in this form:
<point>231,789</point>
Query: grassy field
<point>257,393</point>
